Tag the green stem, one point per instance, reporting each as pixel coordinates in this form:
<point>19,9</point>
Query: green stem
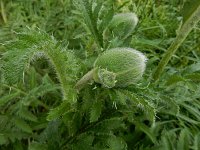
<point>85,80</point>
<point>183,33</point>
<point>3,14</point>
<point>61,74</point>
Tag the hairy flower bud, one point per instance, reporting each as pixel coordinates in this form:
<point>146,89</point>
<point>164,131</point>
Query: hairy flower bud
<point>120,66</point>
<point>123,24</point>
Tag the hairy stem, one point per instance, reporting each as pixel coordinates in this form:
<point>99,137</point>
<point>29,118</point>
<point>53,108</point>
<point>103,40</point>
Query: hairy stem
<point>3,14</point>
<point>20,55</point>
<point>84,80</point>
<point>183,33</point>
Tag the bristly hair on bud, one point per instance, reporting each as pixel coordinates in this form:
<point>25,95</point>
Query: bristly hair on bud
<point>117,67</point>
<point>123,24</point>
<point>128,65</point>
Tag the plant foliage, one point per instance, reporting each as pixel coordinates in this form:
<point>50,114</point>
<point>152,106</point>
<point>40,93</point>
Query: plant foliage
<point>47,46</point>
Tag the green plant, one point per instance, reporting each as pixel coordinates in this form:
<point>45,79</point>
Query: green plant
<point>118,67</point>
<point>41,70</point>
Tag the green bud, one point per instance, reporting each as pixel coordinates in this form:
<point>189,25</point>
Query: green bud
<point>123,24</point>
<point>119,67</point>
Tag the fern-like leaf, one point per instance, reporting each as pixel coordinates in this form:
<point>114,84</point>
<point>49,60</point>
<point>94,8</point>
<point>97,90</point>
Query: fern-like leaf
<point>95,111</point>
<point>146,106</point>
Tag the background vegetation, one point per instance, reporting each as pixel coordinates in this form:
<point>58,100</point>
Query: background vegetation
<point>46,46</point>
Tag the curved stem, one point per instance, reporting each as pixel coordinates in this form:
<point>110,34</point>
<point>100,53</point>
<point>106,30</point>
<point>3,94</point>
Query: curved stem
<point>183,33</point>
<point>84,80</point>
<point>60,73</point>
<point>33,44</point>
<point>3,14</point>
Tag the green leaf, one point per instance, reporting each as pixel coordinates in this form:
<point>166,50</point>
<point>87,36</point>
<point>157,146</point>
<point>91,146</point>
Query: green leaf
<point>3,139</point>
<point>192,68</point>
<point>122,98</point>
<point>196,145</point>
<point>146,130</point>
<point>193,77</point>
<point>183,142</point>
<point>185,118</point>
<point>37,92</point>
<point>174,79</point>
<point>90,18</point>
<point>8,97</point>
<point>51,135</point>
<point>96,11</point>
<point>192,110</point>
<point>24,113</point>
<point>116,143</point>
<point>55,113</point>
<point>21,124</point>
<point>146,106</point>
<point>37,146</point>
<point>166,145</point>
<point>95,111</point>
<point>32,78</point>
<point>107,17</point>
<point>106,126</point>
<point>84,139</point>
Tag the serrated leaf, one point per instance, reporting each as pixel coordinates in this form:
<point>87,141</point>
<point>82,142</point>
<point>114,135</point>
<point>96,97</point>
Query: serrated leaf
<point>142,104</point>
<point>106,20</point>
<point>8,97</point>
<point>96,11</point>
<point>166,145</point>
<point>183,142</point>
<point>191,109</point>
<point>75,123</point>
<point>196,145</point>
<point>32,78</point>
<point>90,20</point>
<point>51,135</point>
<point>146,130</point>
<point>38,91</point>
<point>116,143</point>
<point>27,115</point>
<point>185,118</point>
<point>122,98</point>
<point>95,111</point>
<point>58,111</point>
<point>174,79</point>
<point>111,124</point>
<point>21,124</point>
<point>84,139</point>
